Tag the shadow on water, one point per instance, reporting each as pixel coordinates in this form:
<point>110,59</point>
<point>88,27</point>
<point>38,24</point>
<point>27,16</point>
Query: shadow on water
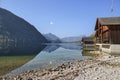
<point>14,57</point>
<point>21,50</point>
<point>9,63</point>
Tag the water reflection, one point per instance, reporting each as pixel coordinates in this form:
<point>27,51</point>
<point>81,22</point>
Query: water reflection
<point>89,53</point>
<point>53,55</point>
<point>19,45</point>
<point>72,46</point>
<point>10,61</point>
<point>51,48</point>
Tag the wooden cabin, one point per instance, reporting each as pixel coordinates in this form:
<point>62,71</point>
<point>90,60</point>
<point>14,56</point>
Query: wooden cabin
<point>108,34</point>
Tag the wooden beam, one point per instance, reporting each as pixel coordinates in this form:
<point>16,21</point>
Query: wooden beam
<point>105,31</point>
<point>99,28</point>
<point>102,35</point>
<point>110,42</point>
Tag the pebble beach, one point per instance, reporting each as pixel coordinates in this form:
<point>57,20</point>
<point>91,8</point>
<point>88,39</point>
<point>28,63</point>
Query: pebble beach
<point>103,67</point>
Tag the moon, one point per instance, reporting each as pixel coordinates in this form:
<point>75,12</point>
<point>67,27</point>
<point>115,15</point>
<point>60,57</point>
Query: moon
<point>51,22</point>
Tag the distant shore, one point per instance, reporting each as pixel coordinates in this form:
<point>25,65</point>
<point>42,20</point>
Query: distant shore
<point>103,67</point>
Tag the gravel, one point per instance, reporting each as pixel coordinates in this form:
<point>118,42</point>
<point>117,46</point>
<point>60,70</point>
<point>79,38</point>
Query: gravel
<point>104,67</point>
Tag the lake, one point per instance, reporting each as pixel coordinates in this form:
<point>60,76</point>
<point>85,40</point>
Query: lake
<point>53,55</point>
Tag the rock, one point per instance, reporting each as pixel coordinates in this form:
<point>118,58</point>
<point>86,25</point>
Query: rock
<point>96,69</point>
<point>30,79</point>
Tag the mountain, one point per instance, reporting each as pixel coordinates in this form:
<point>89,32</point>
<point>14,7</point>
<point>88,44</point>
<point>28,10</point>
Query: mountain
<point>17,36</point>
<point>72,39</point>
<point>52,38</point>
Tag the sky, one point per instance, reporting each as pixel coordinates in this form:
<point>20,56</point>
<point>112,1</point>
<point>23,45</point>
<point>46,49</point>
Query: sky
<point>64,18</point>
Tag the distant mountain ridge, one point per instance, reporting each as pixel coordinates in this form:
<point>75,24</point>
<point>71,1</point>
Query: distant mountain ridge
<point>72,39</point>
<point>52,38</point>
<point>17,36</point>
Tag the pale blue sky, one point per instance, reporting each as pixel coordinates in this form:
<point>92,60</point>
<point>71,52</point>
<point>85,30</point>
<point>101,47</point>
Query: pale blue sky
<point>62,17</point>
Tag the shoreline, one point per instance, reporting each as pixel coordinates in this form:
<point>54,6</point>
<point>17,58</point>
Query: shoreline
<point>103,67</point>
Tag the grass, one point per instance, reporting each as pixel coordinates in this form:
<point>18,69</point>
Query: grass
<point>8,63</point>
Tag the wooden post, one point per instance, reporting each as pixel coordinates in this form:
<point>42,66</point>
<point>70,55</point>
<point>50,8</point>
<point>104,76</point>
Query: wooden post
<point>110,36</point>
<point>101,34</point>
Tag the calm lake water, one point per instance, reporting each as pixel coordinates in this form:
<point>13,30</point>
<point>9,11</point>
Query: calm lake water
<point>53,55</point>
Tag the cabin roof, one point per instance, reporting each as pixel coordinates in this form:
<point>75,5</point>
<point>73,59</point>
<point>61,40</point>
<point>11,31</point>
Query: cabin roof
<point>108,21</point>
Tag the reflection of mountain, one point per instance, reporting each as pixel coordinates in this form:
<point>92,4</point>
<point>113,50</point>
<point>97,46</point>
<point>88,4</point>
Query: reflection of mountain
<point>52,38</point>
<point>72,39</point>
<point>71,46</point>
<point>18,37</point>
<point>51,48</point>
<point>56,56</point>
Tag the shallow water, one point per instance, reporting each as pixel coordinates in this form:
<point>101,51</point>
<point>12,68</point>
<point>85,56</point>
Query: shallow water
<point>53,55</point>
